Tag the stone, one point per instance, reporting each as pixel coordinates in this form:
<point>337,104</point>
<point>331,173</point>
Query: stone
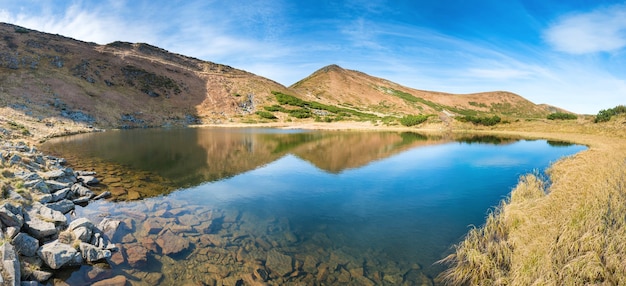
<point>91,253</point>
<point>154,225</point>
<point>81,222</point>
<point>54,174</point>
<point>15,159</point>
<point>279,263</point>
<point>118,280</point>
<point>11,215</point>
<point>10,265</point>
<point>109,227</point>
<point>136,255</point>
<point>61,194</point>
<point>117,258</point>
<point>25,244</point>
<point>11,231</point>
<point>84,173</point>
<point>171,243</point>
<point>103,195</point>
<point>54,186</point>
<point>40,275</point>
<point>64,206</point>
<point>40,229</point>
<point>83,233</point>
<point>81,191</point>
<point>88,180</point>
<point>46,214</point>
<point>38,185</point>
<point>44,198</point>
<point>149,244</point>
<point>56,255</point>
<point>82,201</point>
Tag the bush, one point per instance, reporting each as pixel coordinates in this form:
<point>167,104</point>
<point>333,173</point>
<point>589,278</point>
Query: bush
<point>485,120</point>
<point>412,120</point>
<point>275,108</point>
<point>300,113</point>
<point>562,116</point>
<point>266,115</point>
<point>605,115</point>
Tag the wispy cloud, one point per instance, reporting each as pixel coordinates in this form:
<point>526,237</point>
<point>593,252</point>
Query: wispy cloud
<point>601,30</point>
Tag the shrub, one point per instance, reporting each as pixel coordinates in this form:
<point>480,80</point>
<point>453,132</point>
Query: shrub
<point>275,108</point>
<point>412,120</point>
<point>485,120</point>
<point>605,115</point>
<point>300,113</point>
<point>266,115</point>
<point>562,116</point>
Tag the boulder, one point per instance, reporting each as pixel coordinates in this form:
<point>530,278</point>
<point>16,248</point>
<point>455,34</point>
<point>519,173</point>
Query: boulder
<point>53,174</point>
<point>91,253</point>
<point>56,185</point>
<point>10,265</point>
<point>81,191</point>
<point>37,184</point>
<point>88,180</point>
<point>61,194</point>
<point>40,229</point>
<point>83,233</point>
<point>171,243</point>
<point>64,206</point>
<point>279,263</point>
<point>11,215</point>
<point>56,255</point>
<point>136,255</point>
<point>25,244</point>
<point>109,227</point>
<point>47,214</point>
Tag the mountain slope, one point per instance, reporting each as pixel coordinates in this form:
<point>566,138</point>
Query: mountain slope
<point>335,85</point>
<point>120,84</point>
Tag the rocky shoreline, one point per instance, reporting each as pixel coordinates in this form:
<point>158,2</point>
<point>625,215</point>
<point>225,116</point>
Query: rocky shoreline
<point>39,233</point>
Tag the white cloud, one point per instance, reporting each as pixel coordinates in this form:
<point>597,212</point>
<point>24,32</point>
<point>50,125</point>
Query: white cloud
<point>602,30</point>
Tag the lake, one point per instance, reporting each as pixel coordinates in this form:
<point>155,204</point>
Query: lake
<point>252,205</point>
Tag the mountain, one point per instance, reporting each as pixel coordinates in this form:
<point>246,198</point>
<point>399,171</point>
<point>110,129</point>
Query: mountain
<point>335,85</point>
<point>53,80</point>
<point>120,84</point>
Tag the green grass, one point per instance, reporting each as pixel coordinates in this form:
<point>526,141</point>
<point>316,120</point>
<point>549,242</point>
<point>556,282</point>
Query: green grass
<point>339,113</point>
<point>562,116</point>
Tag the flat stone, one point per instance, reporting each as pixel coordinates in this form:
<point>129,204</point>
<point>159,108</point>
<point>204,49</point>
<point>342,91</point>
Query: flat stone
<point>51,175</point>
<point>88,180</point>
<point>47,214</point>
<point>136,255</point>
<point>56,255</point>
<point>171,243</point>
<point>64,206</point>
<point>279,263</point>
<point>61,194</point>
<point>25,244</point>
<point>38,185</point>
<point>40,229</point>
<point>118,280</point>
<point>54,186</point>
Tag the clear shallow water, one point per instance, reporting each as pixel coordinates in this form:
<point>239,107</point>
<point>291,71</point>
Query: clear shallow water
<point>311,207</point>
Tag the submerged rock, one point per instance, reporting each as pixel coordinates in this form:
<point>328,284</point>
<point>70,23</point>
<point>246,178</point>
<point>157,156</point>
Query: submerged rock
<point>171,243</point>
<point>279,263</point>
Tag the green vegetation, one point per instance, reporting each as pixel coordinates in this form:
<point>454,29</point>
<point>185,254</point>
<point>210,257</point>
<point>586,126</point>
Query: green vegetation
<point>484,120</point>
<point>605,114</point>
<point>562,116</point>
<point>412,120</point>
<point>473,103</point>
<point>19,127</point>
<point>306,108</point>
<point>266,115</point>
<point>21,30</point>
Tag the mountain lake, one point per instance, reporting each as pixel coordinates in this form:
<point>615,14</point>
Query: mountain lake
<point>247,206</point>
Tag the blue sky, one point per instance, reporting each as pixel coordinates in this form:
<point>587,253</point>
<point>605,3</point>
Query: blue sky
<point>571,54</point>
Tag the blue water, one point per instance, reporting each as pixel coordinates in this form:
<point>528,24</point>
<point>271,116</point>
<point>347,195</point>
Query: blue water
<point>399,199</point>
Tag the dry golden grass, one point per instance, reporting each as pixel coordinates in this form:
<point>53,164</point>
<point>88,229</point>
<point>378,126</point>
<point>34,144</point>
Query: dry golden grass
<point>569,232</point>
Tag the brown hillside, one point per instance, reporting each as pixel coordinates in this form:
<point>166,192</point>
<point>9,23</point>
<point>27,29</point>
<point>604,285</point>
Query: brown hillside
<point>120,84</point>
<point>335,85</point>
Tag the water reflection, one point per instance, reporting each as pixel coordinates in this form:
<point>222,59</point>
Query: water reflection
<point>286,207</point>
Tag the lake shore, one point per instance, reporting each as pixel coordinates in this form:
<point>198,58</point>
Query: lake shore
<point>530,232</point>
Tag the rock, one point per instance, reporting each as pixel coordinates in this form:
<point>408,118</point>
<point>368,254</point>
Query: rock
<point>103,195</point>
<point>46,214</point>
<point>81,191</point>
<point>11,215</point>
<point>117,258</point>
<point>54,174</point>
<point>44,198</point>
<point>38,185</point>
<point>118,280</point>
<point>15,159</point>
<point>61,194</point>
<point>154,225</point>
<point>10,265</point>
<point>91,253</point>
<point>171,243</point>
<point>25,244</point>
<point>136,255</point>
<point>56,255</point>
<point>109,227</point>
<point>416,277</point>
<point>56,186</point>
<point>11,231</point>
<point>40,275</point>
<point>83,233</point>
<point>88,180</point>
<point>82,201</point>
<point>84,173</point>
<point>279,263</point>
<point>40,229</point>
<point>64,206</point>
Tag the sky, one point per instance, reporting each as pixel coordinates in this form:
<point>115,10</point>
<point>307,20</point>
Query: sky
<point>567,53</point>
